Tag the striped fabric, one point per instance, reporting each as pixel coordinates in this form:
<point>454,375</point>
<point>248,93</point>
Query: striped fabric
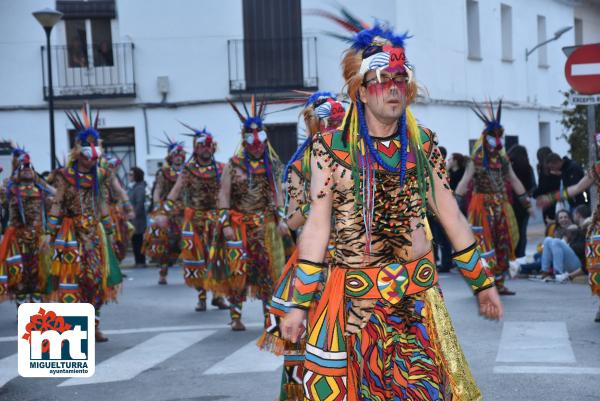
<point>470,265</point>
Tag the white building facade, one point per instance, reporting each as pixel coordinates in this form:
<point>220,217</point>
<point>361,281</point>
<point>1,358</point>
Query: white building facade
<point>147,64</point>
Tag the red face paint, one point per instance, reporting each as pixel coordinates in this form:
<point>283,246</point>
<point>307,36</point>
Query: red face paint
<point>397,58</point>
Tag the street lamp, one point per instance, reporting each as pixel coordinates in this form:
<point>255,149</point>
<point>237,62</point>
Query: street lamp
<point>47,19</point>
<point>557,35</point>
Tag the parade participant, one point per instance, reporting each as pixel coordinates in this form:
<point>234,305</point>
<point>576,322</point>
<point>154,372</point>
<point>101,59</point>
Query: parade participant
<point>489,207</point>
<point>321,113</point>
<point>592,246</point>
<point>162,240</point>
<point>24,257</point>
<point>251,212</point>
<point>84,267</point>
<point>380,329</point>
<point>201,253</point>
<point>119,207</point>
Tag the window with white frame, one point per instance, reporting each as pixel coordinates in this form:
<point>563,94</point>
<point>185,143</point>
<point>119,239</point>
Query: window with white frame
<point>507,32</point>
<point>541,36</point>
<point>473,39</point>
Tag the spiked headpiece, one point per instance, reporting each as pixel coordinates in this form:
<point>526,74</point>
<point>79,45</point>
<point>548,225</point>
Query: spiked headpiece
<point>490,120</point>
<point>171,145</point>
<point>200,135</point>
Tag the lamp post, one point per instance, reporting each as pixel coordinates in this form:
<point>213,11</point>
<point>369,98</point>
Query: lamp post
<point>557,35</point>
<point>47,19</point>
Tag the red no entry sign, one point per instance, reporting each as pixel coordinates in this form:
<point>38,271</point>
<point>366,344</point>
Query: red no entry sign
<point>582,69</point>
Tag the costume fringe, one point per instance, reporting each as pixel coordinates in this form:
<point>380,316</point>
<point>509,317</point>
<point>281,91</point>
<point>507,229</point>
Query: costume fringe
<point>449,352</point>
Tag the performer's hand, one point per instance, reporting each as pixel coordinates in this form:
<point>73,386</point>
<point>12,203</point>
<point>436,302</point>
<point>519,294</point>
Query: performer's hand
<point>283,228</point>
<point>292,324</point>
<point>229,233</point>
<point>161,221</point>
<point>490,306</point>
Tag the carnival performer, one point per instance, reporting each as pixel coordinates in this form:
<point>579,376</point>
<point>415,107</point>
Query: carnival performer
<point>592,246</point>
<point>119,207</point>
<point>489,207</point>
<point>24,253</point>
<point>321,113</point>
<point>201,251</point>
<point>251,214</point>
<point>84,267</point>
<point>380,330</point>
<point>163,242</point>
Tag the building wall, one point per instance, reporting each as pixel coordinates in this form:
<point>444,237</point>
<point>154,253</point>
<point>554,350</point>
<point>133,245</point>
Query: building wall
<point>186,40</point>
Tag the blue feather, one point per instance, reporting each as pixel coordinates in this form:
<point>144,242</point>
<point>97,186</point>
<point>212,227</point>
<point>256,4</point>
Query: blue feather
<point>364,38</point>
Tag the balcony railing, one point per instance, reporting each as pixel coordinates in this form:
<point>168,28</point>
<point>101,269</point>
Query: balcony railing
<point>94,71</point>
<point>272,65</point>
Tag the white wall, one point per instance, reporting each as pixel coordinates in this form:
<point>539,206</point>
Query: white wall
<point>186,40</point>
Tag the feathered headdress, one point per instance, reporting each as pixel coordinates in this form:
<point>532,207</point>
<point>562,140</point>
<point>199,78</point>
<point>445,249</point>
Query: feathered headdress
<point>490,120</point>
<point>252,120</point>
<point>377,48</point>
<point>20,157</point>
<point>82,122</point>
<point>171,145</point>
<point>199,134</point>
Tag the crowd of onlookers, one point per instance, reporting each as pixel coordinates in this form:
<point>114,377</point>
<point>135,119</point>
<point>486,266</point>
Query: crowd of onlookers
<point>560,254</point>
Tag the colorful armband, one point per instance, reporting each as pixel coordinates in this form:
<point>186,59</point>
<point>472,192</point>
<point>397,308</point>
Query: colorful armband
<point>167,205</point>
<point>224,218</point>
<point>470,265</point>
<point>107,224</point>
<point>53,224</point>
<point>305,209</point>
<point>127,207</point>
<point>281,213</point>
<point>308,276</point>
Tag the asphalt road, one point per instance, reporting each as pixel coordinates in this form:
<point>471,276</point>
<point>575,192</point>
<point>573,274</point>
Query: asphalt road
<point>547,348</point>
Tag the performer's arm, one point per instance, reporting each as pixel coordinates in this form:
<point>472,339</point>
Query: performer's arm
<point>158,188</point>
<point>121,194</point>
<point>297,207</point>
<point>224,202</point>
<point>54,220</point>
<point>109,225</point>
<point>546,200</point>
<point>467,258</point>
<point>463,185</point>
<point>178,187</point>
<point>312,246</point>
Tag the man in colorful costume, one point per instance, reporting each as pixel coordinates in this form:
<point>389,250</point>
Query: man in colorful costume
<point>84,267</point>
<point>322,113</point>
<point>162,240</point>
<point>592,246</point>
<point>24,253</point>
<point>380,330</point>
<point>489,207</point>
<point>251,214</point>
<point>201,254</point>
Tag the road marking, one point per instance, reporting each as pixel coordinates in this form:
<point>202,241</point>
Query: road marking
<point>585,69</point>
<point>8,369</point>
<point>562,370</point>
<point>525,342</point>
<point>158,329</point>
<point>130,363</point>
<point>245,360</point>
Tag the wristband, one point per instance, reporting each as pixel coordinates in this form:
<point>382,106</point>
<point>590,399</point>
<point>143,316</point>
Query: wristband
<point>53,224</point>
<point>107,224</point>
<point>308,277</point>
<point>224,218</point>
<point>470,265</point>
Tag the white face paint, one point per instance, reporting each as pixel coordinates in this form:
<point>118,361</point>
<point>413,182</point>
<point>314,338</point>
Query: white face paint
<point>262,136</point>
<point>250,138</point>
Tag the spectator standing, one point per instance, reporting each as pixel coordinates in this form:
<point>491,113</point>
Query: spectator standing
<point>137,197</point>
<point>547,182</point>
<point>570,173</point>
<point>519,160</point>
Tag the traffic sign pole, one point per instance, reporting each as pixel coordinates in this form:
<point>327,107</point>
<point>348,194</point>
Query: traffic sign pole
<point>592,150</point>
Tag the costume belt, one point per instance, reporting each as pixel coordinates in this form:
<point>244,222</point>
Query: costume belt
<point>191,213</point>
<point>393,281</point>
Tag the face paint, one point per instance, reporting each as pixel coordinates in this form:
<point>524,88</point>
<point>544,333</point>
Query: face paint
<point>90,152</point>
